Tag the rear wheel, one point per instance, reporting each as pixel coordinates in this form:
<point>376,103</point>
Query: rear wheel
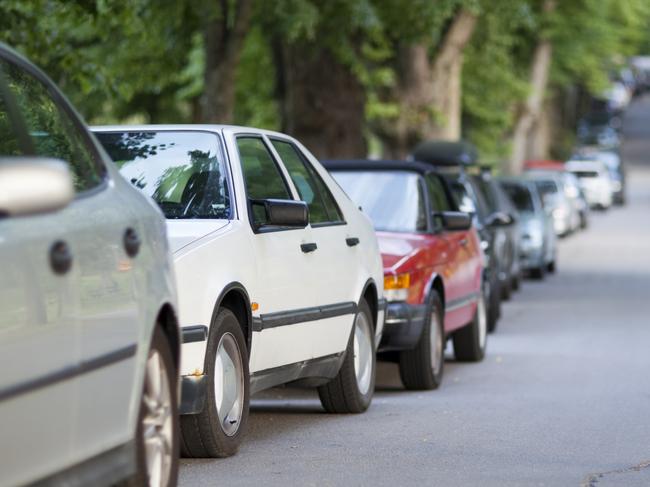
<point>352,389</point>
<point>471,340</point>
<point>218,430</point>
<point>157,436</point>
<point>538,272</point>
<point>493,305</point>
<point>422,368</point>
<point>550,267</point>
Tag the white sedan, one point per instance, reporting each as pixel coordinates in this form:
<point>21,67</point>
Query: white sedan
<point>595,180</point>
<point>279,274</point>
<point>89,344</point>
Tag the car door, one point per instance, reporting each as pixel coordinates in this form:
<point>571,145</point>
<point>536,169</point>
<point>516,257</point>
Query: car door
<point>38,328</point>
<point>336,259</point>
<point>92,235</point>
<point>460,268</point>
<point>284,259</point>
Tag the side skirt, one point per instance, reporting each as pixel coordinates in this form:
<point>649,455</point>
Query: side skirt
<point>323,368</point>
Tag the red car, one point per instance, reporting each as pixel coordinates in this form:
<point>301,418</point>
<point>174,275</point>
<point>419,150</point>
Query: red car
<point>433,265</point>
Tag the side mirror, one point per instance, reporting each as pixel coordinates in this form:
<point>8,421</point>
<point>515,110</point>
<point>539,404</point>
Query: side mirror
<point>30,185</point>
<point>499,219</point>
<point>455,220</point>
<point>282,213</point>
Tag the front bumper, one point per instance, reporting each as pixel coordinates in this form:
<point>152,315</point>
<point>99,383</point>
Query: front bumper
<point>403,326</point>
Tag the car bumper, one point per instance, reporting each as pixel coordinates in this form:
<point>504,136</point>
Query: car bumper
<point>531,258</point>
<point>403,326</point>
<point>193,393</point>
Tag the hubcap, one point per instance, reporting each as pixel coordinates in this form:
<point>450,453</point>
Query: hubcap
<point>482,321</point>
<point>435,339</point>
<point>363,351</point>
<point>229,384</point>
<point>157,421</point>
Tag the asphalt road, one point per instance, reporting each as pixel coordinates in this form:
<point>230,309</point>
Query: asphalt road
<point>562,398</point>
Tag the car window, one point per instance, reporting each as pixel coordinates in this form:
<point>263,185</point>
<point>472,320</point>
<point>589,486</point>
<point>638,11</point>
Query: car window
<point>51,129</point>
<point>437,193</point>
<point>262,176</point>
<point>520,196</point>
<point>183,171</point>
<point>393,200</point>
<point>311,188</point>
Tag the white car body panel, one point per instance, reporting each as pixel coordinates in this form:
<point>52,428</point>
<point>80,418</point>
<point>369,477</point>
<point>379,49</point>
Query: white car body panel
<point>270,267</point>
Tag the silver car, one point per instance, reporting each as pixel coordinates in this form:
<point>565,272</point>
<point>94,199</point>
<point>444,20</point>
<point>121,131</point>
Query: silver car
<point>537,249</point>
<point>89,344</point>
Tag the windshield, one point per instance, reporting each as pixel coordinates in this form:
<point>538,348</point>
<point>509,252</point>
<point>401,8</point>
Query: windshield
<point>546,187</point>
<point>392,199</point>
<point>520,196</point>
<point>182,171</point>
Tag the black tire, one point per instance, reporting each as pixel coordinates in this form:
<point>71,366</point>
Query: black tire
<point>202,435</point>
<point>416,367</point>
<point>538,272</point>
<point>159,344</point>
<point>342,395</point>
<point>551,267</point>
<point>515,284</point>
<point>467,340</point>
<point>506,290</point>
<point>494,306</point>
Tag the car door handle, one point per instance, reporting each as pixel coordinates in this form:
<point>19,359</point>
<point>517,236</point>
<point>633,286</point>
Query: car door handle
<point>464,242</point>
<point>308,247</point>
<point>60,257</point>
<point>131,242</point>
<point>352,241</point>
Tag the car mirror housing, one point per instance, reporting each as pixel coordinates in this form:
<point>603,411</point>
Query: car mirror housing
<point>284,213</point>
<point>31,185</point>
<point>455,220</point>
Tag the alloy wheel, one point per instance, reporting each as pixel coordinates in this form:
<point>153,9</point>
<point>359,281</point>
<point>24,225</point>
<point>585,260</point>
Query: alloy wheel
<point>363,353</point>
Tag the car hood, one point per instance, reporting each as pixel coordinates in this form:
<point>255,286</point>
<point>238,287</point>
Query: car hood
<point>396,248</point>
<point>181,233</point>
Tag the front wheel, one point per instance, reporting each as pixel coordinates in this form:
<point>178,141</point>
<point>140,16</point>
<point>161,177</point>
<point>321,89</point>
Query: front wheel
<point>157,437</point>
<point>422,368</point>
<point>352,389</point>
<point>218,430</point>
<point>470,341</point>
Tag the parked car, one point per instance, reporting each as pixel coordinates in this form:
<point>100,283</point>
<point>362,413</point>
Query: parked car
<point>279,274</point>
<point>89,343</point>
<point>595,180</point>
<point>550,184</point>
<point>498,202</point>
<point>538,250</point>
<point>614,163</point>
<point>451,159</point>
<point>432,265</point>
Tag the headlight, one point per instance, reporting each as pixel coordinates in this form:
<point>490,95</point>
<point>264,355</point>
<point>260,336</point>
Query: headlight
<point>396,286</point>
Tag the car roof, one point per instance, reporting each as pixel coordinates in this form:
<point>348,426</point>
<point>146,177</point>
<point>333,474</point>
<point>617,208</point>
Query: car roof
<point>185,127</point>
<point>376,165</point>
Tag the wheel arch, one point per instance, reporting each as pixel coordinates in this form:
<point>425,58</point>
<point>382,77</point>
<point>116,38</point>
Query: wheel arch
<point>235,297</point>
<point>436,283</point>
<point>168,323</point>
<point>369,293</point>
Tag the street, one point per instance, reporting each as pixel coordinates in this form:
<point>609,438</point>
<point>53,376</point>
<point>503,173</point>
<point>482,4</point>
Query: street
<point>562,398</point>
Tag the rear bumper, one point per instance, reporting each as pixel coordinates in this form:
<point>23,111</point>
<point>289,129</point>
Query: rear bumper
<point>403,326</point>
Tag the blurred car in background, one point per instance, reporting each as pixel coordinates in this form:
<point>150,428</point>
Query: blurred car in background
<point>498,202</point>
<point>452,159</point>
<point>612,159</point>
<point>89,344</point>
<point>538,249</point>
<point>550,184</point>
<point>433,265</point>
<point>279,274</point>
<point>595,180</point>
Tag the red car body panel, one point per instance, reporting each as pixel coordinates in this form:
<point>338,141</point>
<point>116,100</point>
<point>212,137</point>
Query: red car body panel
<point>454,257</point>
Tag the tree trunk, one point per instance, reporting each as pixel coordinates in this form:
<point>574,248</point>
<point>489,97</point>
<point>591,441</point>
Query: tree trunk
<point>530,113</point>
<point>427,91</point>
<point>323,103</point>
<point>224,36</point>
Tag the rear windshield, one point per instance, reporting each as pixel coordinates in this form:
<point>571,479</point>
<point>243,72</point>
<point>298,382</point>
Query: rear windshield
<point>184,172</point>
<point>520,196</point>
<point>392,199</point>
